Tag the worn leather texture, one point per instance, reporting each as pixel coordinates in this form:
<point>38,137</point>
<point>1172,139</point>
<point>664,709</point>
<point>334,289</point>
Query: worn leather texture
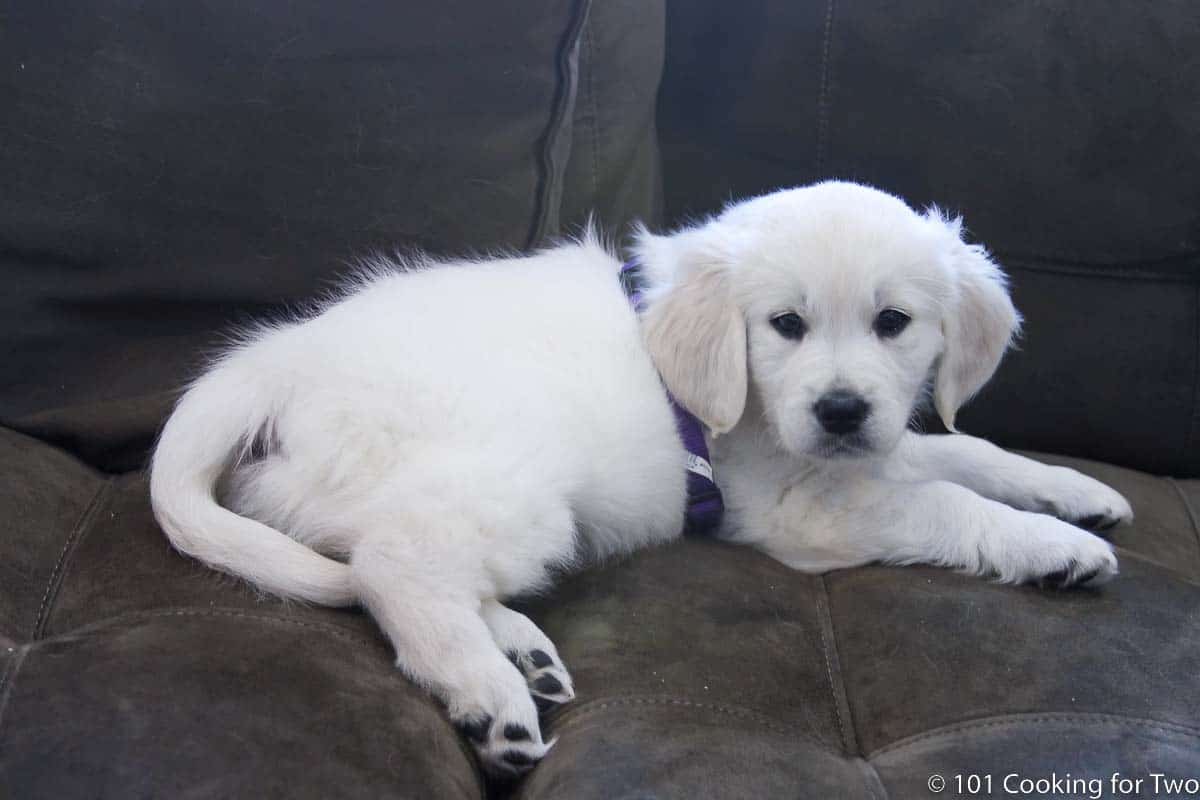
<point>172,169</point>
<point>1064,133</point>
<point>613,176</point>
<point>703,669</point>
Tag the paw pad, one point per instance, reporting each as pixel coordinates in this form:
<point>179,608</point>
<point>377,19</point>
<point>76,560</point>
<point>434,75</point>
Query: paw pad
<point>1069,577</point>
<point>1097,522</point>
<point>549,683</point>
<point>477,729</point>
<point>516,733</point>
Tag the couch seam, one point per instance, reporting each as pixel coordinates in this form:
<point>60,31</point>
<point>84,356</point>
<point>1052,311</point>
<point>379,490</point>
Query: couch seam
<point>573,715</point>
<point>1174,266</point>
<point>1092,270</point>
<point>1176,573</point>
<point>871,779</point>
<point>1014,720</point>
<point>1191,439</point>
<point>589,34</point>
<point>823,93</point>
<point>562,108</point>
<point>134,616</point>
<point>833,667</point>
<point>1187,505</point>
<point>9,676</point>
<point>82,525</point>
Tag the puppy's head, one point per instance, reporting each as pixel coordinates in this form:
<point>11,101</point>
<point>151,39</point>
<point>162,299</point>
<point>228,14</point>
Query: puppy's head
<point>833,305</point>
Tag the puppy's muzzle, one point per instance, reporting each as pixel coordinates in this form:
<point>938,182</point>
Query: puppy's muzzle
<point>841,412</point>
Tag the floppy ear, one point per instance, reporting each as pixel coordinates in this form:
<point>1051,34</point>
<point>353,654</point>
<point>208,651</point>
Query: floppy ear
<point>693,328</point>
<point>979,324</point>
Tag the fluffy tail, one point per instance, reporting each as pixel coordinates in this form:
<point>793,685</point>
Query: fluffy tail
<point>214,420</point>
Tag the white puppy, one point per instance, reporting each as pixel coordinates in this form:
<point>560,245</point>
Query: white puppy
<point>445,436</point>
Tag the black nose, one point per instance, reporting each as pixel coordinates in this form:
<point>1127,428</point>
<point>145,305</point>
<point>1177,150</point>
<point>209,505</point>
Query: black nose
<point>841,411</point>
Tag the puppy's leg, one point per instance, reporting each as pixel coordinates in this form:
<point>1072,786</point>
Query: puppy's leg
<point>867,519</point>
<point>428,605</point>
<point>532,652</point>
<point>1009,478</point>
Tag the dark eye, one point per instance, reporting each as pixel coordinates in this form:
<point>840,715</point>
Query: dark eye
<point>789,325</point>
<point>891,322</point>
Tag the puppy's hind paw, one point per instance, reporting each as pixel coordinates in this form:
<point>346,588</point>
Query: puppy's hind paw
<point>549,683</point>
<point>506,749</point>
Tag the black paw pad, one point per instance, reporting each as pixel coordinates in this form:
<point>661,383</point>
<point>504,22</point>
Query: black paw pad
<point>540,658</point>
<point>516,733</point>
<point>547,684</point>
<point>1056,580</point>
<point>1068,577</point>
<point>476,730</point>
<point>518,759</point>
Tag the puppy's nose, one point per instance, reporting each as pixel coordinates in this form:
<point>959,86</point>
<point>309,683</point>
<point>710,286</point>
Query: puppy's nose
<point>841,411</point>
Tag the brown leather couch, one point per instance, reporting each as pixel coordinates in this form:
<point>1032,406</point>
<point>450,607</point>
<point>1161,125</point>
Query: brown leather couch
<point>171,169</point>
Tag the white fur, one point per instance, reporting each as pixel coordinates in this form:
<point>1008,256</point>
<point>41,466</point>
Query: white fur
<point>838,254</point>
<point>444,436</point>
<point>452,434</point>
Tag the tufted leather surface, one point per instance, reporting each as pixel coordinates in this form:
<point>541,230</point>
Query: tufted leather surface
<point>703,669</point>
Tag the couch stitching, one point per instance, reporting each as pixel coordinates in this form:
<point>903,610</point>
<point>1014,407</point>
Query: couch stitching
<point>82,525</point>
<point>1176,573</point>
<point>1014,720</point>
<point>589,33</point>
<point>871,779</point>
<point>1191,512</point>
<point>1191,438</point>
<point>823,100</point>
<point>575,714</point>
<point>9,676</point>
<point>565,96</point>
<point>135,616</point>
<point>837,689</point>
<point>1173,268</point>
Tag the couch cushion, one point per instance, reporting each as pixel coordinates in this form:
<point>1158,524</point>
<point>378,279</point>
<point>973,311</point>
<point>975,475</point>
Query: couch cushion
<point>1065,136</point>
<point>703,669</point>
<point>613,173</point>
<point>127,670</point>
<point>171,169</point>
<point>47,499</point>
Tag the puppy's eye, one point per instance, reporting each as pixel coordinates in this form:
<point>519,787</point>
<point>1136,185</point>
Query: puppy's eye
<point>891,322</point>
<point>789,325</point>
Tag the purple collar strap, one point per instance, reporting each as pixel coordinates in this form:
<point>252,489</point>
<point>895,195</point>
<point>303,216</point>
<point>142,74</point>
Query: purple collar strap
<point>704,505</point>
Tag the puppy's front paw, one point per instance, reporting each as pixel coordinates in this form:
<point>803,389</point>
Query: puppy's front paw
<point>1055,555</point>
<point>1080,500</point>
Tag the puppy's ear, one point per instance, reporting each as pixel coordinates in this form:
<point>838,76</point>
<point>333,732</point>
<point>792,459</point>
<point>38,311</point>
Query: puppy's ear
<point>693,328</point>
<point>979,324</point>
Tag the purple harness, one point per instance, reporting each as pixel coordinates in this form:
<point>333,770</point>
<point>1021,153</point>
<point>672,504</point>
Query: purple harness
<point>704,504</point>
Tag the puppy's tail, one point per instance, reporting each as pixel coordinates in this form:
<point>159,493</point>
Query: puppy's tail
<point>214,422</point>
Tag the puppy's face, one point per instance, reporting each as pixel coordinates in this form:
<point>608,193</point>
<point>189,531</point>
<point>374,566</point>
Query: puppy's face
<point>840,302</point>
